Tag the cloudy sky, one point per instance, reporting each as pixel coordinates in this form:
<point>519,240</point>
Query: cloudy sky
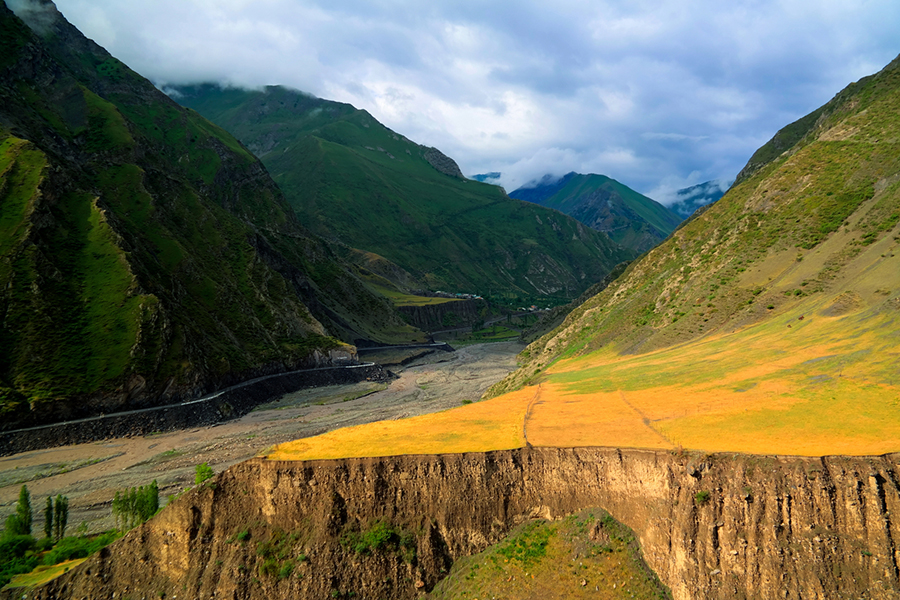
<point>657,94</point>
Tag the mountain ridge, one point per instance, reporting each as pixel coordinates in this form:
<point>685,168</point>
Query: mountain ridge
<point>147,256</point>
<point>350,178</point>
<point>604,204</point>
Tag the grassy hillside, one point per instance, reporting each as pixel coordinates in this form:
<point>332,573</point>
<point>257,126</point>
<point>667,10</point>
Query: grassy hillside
<point>766,324</point>
<point>348,176</point>
<point>146,255</point>
<point>773,312</point>
<point>604,204</point>
<point>536,561</point>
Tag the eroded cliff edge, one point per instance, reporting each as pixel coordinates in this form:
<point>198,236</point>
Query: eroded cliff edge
<point>720,526</point>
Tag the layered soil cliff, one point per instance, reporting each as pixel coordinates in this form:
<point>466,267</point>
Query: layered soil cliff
<point>711,526</point>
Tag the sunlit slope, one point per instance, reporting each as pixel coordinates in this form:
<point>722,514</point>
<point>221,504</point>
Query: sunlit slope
<point>801,230</point>
<point>770,323</point>
<point>814,380</point>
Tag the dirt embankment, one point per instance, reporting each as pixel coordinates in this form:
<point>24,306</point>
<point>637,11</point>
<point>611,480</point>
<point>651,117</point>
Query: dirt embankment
<point>711,526</point>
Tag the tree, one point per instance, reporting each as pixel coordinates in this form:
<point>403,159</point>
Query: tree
<point>23,511</point>
<point>62,516</point>
<point>152,499</point>
<point>48,517</point>
<point>135,505</point>
<point>118,510</point>
<point>13,528</point>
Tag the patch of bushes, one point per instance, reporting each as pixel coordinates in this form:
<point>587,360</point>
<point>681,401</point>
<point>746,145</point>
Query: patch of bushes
<point>133,506</point>
<point>277,554</point>
<point>16,556</point>
<point>77,547</point>
<point>530,546</point>
<point>382,536</point>
<point>202,472</point>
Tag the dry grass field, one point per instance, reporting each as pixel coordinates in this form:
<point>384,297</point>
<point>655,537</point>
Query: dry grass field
<point>829,386</point>
<point>476,427</point>
<point>818,376</point>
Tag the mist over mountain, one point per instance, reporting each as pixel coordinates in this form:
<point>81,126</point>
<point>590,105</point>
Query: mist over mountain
<point>492,177</point>
<point>687,200</point>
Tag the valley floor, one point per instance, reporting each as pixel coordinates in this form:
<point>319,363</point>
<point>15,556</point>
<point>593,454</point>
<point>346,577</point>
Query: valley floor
<point>90,474</point>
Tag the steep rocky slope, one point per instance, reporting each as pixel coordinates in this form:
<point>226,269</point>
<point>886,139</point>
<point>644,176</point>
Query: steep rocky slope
<point>348,176</point>
<point>146,255</point>
<point>604,204</point>
<point>710,526</point>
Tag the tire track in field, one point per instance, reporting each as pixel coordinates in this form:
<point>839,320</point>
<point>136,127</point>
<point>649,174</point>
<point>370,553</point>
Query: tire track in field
<point>645,420</point>
<point>534,399</point>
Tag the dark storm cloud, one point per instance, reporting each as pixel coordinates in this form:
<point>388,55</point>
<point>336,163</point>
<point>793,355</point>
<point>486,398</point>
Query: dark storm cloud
<point>658,95</point>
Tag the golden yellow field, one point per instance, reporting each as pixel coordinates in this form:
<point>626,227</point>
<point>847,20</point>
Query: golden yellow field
<point>756,391</point>
<point>477,427</point>
<point>824,385</point>
<point>820,377</point>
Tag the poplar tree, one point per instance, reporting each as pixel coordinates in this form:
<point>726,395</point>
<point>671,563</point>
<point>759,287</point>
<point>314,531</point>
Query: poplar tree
<point>23,511</point>
<point>48,517</point>
<point>62,516</point>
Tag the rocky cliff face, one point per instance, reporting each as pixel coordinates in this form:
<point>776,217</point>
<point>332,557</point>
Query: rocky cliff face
<point>711,526</point>
<point>433,317</point>
<point>443,163</point>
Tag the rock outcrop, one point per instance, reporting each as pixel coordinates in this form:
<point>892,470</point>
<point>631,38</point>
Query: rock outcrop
<point>448,315</point>
<point>443,163</point>
<point>720,526</point>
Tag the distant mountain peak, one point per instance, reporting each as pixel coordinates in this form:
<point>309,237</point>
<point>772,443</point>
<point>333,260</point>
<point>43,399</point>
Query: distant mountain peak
<point>629,218</point>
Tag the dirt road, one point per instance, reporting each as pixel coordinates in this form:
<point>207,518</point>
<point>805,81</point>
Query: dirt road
<point>89,474</point>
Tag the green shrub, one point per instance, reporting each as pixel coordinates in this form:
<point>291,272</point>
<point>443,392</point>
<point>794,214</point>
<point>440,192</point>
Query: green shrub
<point>77,547</point>
<point>16,556</point>
<point>202,472</point>
<point>382,536</point>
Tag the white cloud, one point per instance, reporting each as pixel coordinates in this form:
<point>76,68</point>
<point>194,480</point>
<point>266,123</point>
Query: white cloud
<point>650,93</point>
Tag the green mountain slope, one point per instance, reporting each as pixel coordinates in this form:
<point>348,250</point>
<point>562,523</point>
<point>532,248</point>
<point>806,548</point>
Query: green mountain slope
<point>348,176</point>
<point>629,218</point>
<point>145,255</point>
<point>809,233</point>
